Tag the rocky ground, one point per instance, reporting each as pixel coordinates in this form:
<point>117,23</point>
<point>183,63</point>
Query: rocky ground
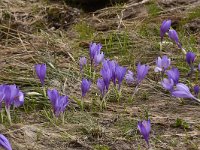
<point>55,33</point>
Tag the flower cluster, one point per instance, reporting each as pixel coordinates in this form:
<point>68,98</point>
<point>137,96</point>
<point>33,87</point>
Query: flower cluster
<point>10,95</point>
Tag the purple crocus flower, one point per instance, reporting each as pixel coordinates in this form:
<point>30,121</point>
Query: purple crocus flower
<point>190,57</point>
<point>12,95</point>
<point>120,74</point>
<point>85,86</point>
<point>113,64</point>
<point>82,62</point>
<point>182,91</point>
<point>129,77</point>
<point>58,102</point>
<point>142,71</point>
<point>4,143</point>
<point>145,127</point>
<point>106,73</point>
<point>166,24</point>
<point>101,86</point>
<point>173,74</point>
<point>196,90</point>
<point>162,63</point>
<point>41,72</point>
<point>98,58</point>
<point>168,84</point>
<point>174,36</point>
<point>94,49</point>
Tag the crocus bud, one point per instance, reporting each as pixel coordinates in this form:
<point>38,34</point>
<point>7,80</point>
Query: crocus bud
<point>98,58</point>
<point>129,77</point>
<point>164,28</point>
<point>82,62</point>
<point>190,57</point>
<point>196,90</point>
<point>142,71</point>
<point>4,143</point>
<point>85,86</point>
<point>94,49</point>
<point>101,86</point>
<point>145,127</point>
<point>173,74</point>
<point>120,74</point>
<point>174,36</point>
<point>41,72</point>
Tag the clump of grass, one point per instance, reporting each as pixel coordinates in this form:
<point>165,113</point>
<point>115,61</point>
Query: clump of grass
<point>85,31</point>
<point>153,9</point>
<point>101,147</point>
<point>180,123</point>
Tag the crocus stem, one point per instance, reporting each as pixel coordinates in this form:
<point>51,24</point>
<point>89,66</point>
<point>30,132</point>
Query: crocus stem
<point>118,93</point>
<point>1,116</point>
<point>183,50</point>
<point>8,114</point>
<point>94,74</point>
<point>196,99</point>
<point>63,118</point>
<point>82,104</point>
<point>161,46</point>
<point>44,91</point>
<point>91,68</point>
<point>135,91</point>
<point>103,102</point>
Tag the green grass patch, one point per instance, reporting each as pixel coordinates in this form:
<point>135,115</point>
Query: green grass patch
<point>153,9</point>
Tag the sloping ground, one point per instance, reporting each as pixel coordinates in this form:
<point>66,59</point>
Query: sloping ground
<point>49,32</point>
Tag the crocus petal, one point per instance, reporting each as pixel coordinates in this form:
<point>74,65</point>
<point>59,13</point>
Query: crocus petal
<point>53,95</point>
<point>168,84</point>
<point>182,91</point>
<point>145,127</point>
<point>19,100</point>
<point>120,74</point>
<point>129,77</point>
<point>98,58</point>
<point>173,74</point>
<point>85,86</point>
<point>101,86</point>
<point>190,57</point>
<point>94,49</point>
<point>113,64</point>
<point>142,71</point>
<point>164,28</point>
<point>4,143</point>
<point>196,90</point>
<point>174,36</point>
<point>41,72</point>
<point>106,73</point>
<point>82,62</point>
<point>165,62</point>
<point>58,102</point>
